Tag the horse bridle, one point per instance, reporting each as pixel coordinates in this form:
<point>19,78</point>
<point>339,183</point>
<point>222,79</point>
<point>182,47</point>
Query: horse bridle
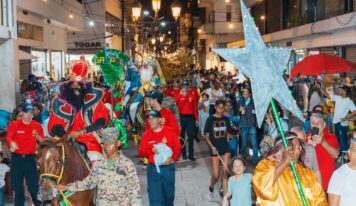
<point>56,177</point>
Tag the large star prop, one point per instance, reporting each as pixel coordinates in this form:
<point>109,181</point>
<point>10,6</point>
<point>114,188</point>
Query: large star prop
<point>264,66</point>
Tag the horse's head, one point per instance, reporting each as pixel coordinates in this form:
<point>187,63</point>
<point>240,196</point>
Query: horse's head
<point>51,157</point>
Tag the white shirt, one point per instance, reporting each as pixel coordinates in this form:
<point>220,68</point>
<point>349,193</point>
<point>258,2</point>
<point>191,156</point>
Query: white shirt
<point>343,183</point>
<point>3,169</point>
<point>218,94</point>
<point>342,108</point>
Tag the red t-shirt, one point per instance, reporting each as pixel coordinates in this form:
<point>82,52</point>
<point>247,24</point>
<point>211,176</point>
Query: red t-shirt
<point>168,119</point>
<point>326,163</point>
<point>187,104</point>
<point>166,136</point>
<point>21,134</point>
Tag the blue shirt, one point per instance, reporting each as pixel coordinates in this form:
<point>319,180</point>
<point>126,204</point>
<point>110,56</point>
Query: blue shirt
<point>240,190</point>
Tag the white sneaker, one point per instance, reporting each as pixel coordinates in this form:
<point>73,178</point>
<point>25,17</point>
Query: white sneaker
<point>210,196</point>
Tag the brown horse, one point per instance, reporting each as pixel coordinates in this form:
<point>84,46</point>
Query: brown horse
<point>61,163</point>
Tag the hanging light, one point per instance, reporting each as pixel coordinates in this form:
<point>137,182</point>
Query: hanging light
<point>91,23</point>
<point>71,15</point>
<point>156,5</point>
<point>176,8</point>
<point>136,10</point>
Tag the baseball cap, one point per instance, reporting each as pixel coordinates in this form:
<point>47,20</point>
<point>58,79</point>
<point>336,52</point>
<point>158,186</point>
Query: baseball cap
<point>156,95</point>
<point>27,107</point>
<point>185,83</point>
<point>110,134</point>
<point>154,113</point>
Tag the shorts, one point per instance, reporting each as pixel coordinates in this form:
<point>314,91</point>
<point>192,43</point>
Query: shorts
<point>216,157</point>
<point>222,151</point>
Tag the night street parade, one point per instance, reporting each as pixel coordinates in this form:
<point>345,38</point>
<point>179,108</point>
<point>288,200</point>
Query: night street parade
<point>178,102</point>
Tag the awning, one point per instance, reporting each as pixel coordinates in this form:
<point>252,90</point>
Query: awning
<point>26,56</point>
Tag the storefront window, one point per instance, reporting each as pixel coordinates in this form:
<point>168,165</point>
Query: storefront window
<point>39,67</point>
<point>57,65</point>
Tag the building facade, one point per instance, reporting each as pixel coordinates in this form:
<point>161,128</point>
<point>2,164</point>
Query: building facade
<point>9,78</point>
<point>308,26</point>
<point>218,24</point>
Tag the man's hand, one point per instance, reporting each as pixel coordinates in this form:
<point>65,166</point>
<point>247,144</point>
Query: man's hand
<point>34,132</point>
<point>13,147</point>
<point>62,188</point>
<point>196,123</point>
<point>316,139</point>
<point>154,150</point>
<point>75,134</point>
<point>288,155</point>
<point>168,161</point>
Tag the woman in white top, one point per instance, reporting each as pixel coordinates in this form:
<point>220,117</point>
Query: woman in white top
<point>214,93</point>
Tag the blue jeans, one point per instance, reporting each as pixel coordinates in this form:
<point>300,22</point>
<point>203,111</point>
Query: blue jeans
<point>341,133</point>
<point>249,133</point>
<point>2,196</point>
<point>161,186</point>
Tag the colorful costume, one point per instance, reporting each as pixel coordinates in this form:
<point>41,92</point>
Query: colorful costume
<point>92,116</point>
<point>284,191</point>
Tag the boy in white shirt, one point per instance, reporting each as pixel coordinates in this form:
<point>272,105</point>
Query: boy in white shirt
<point>342,184</point>
<point>344,110</point>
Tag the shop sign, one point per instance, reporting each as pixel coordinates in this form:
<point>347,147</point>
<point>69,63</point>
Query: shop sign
<point>87,44</point>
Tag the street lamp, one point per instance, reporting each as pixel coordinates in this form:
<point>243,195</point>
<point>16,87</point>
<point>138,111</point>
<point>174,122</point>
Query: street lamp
<point>263,19</point>
<point>136,10</point>
<point>153,40</point>
<point>156,5</point>
<point>176,8</point>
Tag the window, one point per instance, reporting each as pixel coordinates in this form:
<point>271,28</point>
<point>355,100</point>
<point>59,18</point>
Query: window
<point>228,13</point>
<point>39,67</point>
<point>113,24</point>
<point>29,31</point>
<point>212,17</point>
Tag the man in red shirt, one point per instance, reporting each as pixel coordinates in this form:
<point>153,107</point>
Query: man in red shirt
<point>161,185</point>
<point>154,100</point>
<point>22,136</point>
<point>188,114</point>
<point>326,147</point>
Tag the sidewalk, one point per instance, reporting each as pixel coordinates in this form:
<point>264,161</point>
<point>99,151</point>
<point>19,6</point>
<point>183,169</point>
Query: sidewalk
<point>192,178</point>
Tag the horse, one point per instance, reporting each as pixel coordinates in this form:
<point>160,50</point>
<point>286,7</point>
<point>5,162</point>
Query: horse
<point>61,163</point>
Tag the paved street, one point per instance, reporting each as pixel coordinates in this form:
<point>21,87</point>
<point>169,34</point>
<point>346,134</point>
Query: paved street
<point>192,178</point>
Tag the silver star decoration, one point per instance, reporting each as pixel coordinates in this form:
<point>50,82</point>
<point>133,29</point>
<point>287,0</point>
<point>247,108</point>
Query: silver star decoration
<point>264,66</point>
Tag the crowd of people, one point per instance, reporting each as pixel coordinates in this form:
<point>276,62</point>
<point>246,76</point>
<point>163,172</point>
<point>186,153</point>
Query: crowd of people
<point>216,106</point>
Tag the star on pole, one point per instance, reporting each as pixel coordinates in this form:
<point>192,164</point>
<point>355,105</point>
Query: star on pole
<point>264,66</point>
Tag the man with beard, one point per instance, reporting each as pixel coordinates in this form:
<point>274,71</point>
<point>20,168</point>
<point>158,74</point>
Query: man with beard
<point>79,113</point>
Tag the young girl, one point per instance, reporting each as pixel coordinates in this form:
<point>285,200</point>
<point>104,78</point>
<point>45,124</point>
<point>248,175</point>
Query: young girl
<point>203,112</point>
<point>217,130</point>
<point>233,122</point>
<point>239,185</point>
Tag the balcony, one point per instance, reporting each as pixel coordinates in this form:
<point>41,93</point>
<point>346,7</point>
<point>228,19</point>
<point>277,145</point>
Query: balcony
<point>219,28</point>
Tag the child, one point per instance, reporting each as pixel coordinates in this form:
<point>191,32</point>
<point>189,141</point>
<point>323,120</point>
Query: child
<point>3,169</point>
<point>239,185</point>
<point>234,125</point>
<point>203,112</point>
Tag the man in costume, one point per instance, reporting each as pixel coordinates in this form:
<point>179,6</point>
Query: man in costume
<point>273,179</point>
<point>79,113</point>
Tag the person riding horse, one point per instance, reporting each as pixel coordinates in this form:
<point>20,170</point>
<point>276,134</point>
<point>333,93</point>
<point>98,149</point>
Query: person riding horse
<point>79,113</point>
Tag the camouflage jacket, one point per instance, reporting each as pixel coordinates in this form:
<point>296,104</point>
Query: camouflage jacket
<point>118,185</point>
<point>169,103</point>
